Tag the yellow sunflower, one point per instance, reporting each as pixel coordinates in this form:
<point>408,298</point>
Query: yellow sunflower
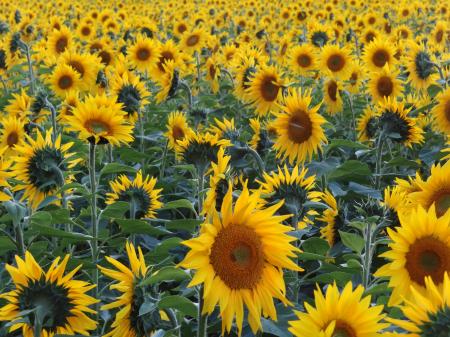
<point>19,105</point>
<point>12,133</point>
<point>295,187</point>
<point>167,82</point>
<point>265,89</point>
<point>40,164</point>
<point>435,190</point>
<point>5,174</point>
<point>64,298</point>
<point>385,84</point>
<point>394,121</point>
<point>367,125</point>
<point>71,101</point>
<point>177,129</point>
<point>441,112</point>
<point>332,96</point>
<point>217,183</point>
<point>128,321</point>
<point>193,41</point>
<point>86,65</point>
<point>420,247</point>
<point>303,59</point>
<point>239,258</point>
<point>139,192</point>
<point>213,73</point>
<point>340,314</point>
<point>427,312</point>
<point>299,129</point>
<point>378,53</point>
<point>143,54</point>
<point>335,60</point>
<point>244,71</point>
<point>100,119</point>
<point>130,92</point>
<point>420,66</point>
<point>330,217</point>
<point>58,42</point>
<point>355,79</point>
<point>64,79</point>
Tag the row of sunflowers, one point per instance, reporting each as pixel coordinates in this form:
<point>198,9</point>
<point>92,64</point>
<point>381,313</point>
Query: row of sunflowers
<point>225,168</point>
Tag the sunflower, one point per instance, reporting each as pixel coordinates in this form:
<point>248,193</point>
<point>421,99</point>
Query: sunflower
<point>265,89</point>
<point>143,54</point>
<point>64,299</point>
<point>261,139</point>
<point>330,217</point>
<point>128,321</point>
<point>177,130</point>
<point>168,52</point>
<point>40,164</point>
<point>58,42</point>
<point>5,174</point>
<point>130,92</point>
<point>385,84</point>
<point>193,41</point>
<point>245,70</point>
<point>420,247</point>
<point>140,193</point>
<point>355,79</point>
<point>64,79</point>
<point>396,124</point>
<point>332,96</point>
<point>319,34</point>
<point>19,105</point>
<point>101,120</point>
<point>420,67</point>
<point>435,190</point>
<point>295,187</point>
<point>213,73</point>
<point>239,258</point>
<point>200,149</point>
<point>70,102</point>
<point>303,59</point>
<point>86,65</point>
<point>167,82</point>
<point>12,133</point>
<point>440,34</point>
<point>378,53</point>
<point>299,129</point>
<point>217,183</point>
<point>427,313</point>
<point>441,112</point>
<point>336,61</point>
<point>340,314</point>
<point>85,30</point>
<point>367,125</point>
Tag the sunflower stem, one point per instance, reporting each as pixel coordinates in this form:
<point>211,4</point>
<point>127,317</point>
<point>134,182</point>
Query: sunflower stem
<point>368,254</point>
<point>37,327</point>
<point>188,91</point>
<point>30,68</point>
<point>202,319</point>
<point>19,239</point>
<point>163,161</point>
<point>5,87</point>
<point>350,103</point>
<point>94,222</point>
<point>52,109</point>
<point>141,140</point>
<point>257,158</point>
<point>230,76</point>
<point>201,183</point>
<point>378,162</point>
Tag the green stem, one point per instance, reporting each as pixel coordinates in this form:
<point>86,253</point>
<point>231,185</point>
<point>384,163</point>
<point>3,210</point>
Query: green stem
<point>257,158</point>
<point>350,103</point>
<point>189,93</point>
<point>141,141</point>
<point>202,319</point>
<point>94,221</point>
<point>37,327</point>
<point>52,109</point>
<point>19,239</point>
<point>368,254</point>
<point>201,183</point>
<point>163,161</point>
<point>379,157</point>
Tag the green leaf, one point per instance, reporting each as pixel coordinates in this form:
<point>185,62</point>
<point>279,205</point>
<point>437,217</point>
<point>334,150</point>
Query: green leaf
<point>316,246</point>
<point>165,274</point>
<point>340,277</point>
<point>115,210</point>
<point>189,225</point>
<point>112,168</point>
<point>131,226</point>
<point>337,143</point>
<point>352,241</point>
<point>311,257</point>
<point>54,232</point>
<point>41,218</point>
<point>351,170</point>
<point>6,245</point>
<point>179,303</point>
<point>181,203</point>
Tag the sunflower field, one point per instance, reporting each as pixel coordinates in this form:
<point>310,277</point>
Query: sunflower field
<point>229,168</point>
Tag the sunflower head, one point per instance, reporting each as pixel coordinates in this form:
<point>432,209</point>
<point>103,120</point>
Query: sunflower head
<point>140,193</point>
<point>368,125</point>
<point>64,79</point>
<point>41,164</point>
<point>61,300</point>
<point>236,255</point>
<point>177,129</point>
<point>100,119</point>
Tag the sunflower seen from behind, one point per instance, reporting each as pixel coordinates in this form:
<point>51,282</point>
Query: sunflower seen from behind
<point>41,164</point>
<point>239,258</point>
<point>63,298</point>
<point>299,129</point>
<point>140,193</point>
<point>422,72</point>
<point>100,119</point>
<point>340,314</point>
<point>420,247</point>
<point>427,313</point>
